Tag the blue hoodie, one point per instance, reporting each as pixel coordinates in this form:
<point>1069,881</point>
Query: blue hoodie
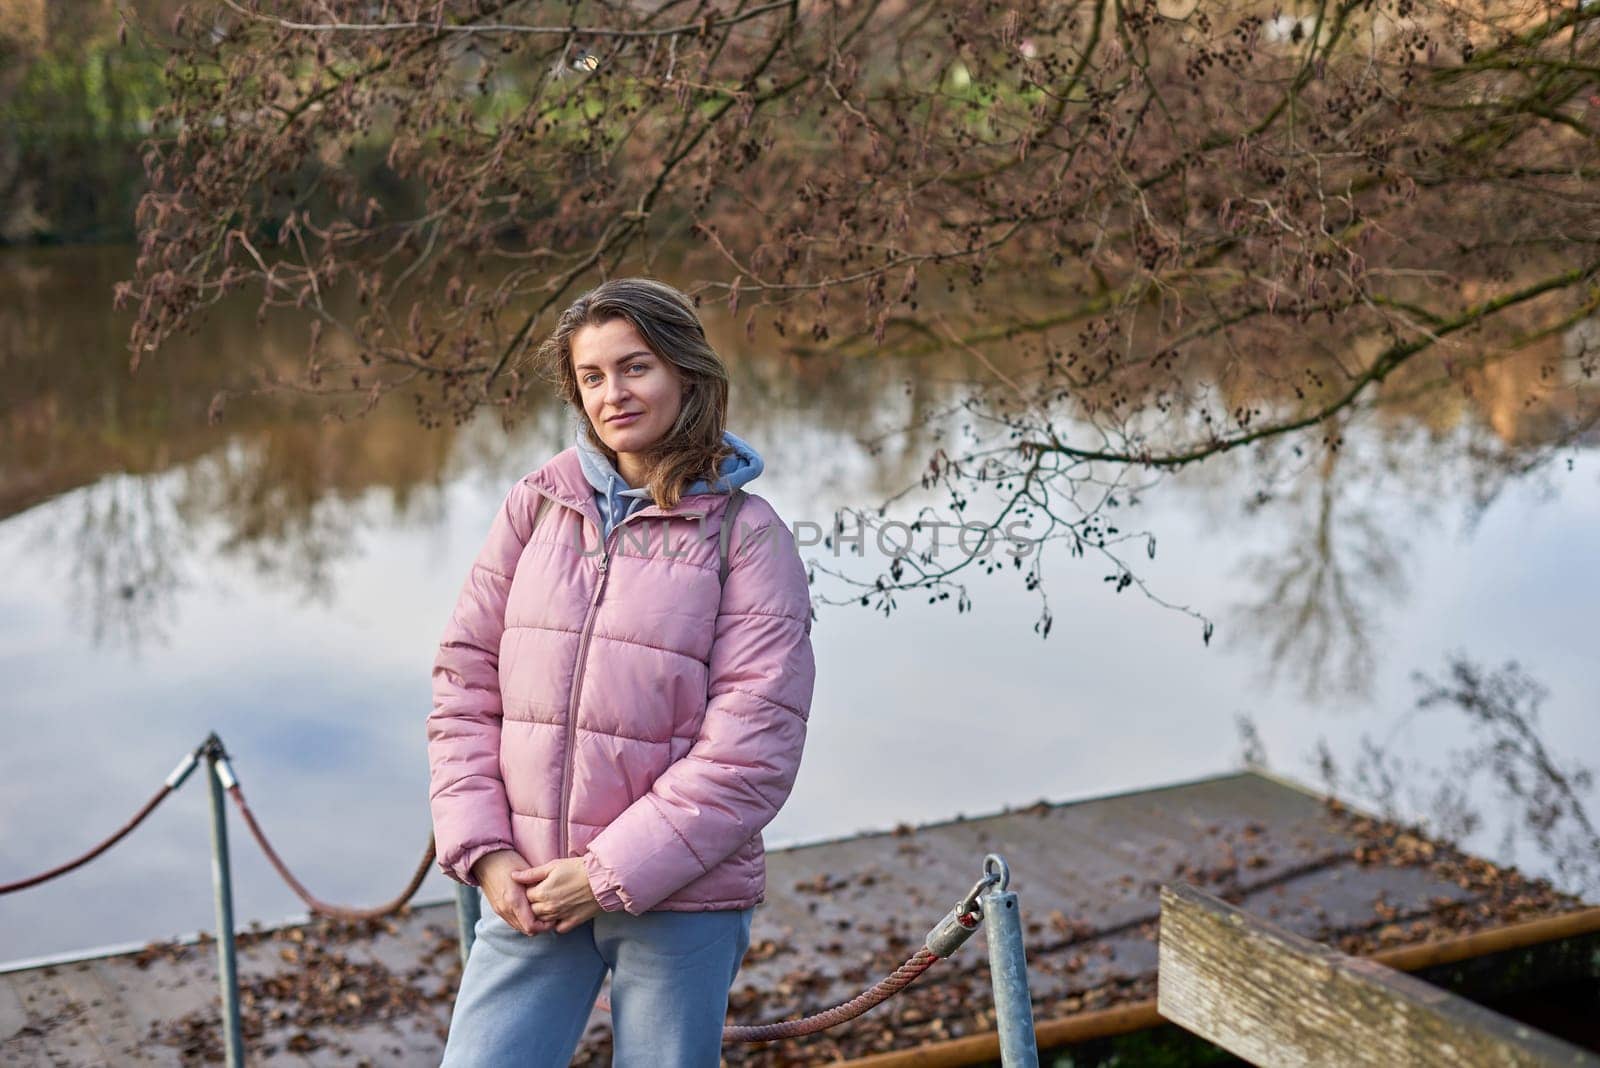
<point>617,500</point>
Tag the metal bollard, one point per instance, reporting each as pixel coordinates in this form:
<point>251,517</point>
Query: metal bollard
<point>1008,968</point>
<point>220,776</point>
<point>469,906</point>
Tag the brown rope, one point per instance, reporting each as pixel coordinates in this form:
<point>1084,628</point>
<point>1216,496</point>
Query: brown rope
<point>117,836</point>
<point>887,987</point>
<point>322,908</point>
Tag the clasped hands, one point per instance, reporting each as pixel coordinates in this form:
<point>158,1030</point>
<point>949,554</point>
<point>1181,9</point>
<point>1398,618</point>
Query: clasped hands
<point>553,896</point>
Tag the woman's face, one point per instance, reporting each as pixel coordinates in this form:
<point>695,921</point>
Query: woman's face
<point>631,395</point>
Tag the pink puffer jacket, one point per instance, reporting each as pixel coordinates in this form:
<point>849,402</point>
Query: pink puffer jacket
<point>622,706</point>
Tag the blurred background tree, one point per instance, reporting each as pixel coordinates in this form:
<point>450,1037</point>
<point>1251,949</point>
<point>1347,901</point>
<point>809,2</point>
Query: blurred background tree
<point>76,99</point>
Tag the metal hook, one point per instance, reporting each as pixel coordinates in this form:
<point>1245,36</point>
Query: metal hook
<point>1002,871</point>
<point>211,747</point>
<point>969,905</point>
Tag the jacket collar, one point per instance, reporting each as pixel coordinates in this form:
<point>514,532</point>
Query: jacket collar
<point>562,478</point>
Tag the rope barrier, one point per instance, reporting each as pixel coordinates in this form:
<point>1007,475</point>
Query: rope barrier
<point>230,781</point>
<point>317,906</point>
<point>180,773</point>
<point>887,987</point>
<point>943,940</point>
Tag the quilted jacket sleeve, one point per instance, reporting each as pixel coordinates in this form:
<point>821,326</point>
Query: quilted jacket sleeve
<point>471,816</point>
<point>742,765</point>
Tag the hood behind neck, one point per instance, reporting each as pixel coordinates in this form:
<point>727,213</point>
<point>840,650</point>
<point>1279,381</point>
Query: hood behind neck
<point>736,470</point>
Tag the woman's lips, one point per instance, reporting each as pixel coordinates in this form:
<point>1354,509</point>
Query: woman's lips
<point>623,420</point>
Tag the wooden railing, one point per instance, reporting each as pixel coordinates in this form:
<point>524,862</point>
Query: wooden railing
<point>1276,999</point>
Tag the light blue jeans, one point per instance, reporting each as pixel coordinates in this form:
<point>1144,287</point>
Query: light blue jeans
<point>525,1000</point>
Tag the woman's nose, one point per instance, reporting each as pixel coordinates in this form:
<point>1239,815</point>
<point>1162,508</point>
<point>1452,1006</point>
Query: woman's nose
<point>616,390</point>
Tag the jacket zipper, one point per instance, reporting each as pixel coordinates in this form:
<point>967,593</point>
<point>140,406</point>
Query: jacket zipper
<point>569,754</point>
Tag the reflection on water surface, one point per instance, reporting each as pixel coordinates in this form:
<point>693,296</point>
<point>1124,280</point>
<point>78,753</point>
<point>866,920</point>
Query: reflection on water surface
<point>282,579</point>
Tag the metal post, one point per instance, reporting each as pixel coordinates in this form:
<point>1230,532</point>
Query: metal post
<point>1008,969</point>
<point>219,775</point>
<point>468,908</point>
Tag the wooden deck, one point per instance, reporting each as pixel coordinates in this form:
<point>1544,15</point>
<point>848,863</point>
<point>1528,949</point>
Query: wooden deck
<point>839,915</point>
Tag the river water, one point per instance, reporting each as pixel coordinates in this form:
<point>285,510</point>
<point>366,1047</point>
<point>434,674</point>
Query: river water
<point>284,582</point>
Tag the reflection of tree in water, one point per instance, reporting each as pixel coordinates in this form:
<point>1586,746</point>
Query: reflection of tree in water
<point>1350,514</point>
<point>1320,592</point>
<point>276,513</point>
<point>1542,798</point>
<point>294,499</point>
<point>127,542</point>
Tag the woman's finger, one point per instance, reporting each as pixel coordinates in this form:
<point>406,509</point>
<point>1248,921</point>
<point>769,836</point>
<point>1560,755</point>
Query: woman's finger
<point>525,918</point>
<point>508,912</point>
<point>506,903</point>
<point>530,876</point>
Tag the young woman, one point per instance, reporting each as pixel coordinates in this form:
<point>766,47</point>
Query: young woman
<point>614,719</point>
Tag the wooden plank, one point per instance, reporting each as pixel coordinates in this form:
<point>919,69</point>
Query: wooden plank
<point>1278,1000</point>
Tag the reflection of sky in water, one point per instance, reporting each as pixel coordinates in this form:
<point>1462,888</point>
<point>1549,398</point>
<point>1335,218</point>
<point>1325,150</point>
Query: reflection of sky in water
<point>322,699</point>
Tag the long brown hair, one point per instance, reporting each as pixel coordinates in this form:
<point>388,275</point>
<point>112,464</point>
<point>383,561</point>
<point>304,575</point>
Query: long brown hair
<point>665,318</point>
